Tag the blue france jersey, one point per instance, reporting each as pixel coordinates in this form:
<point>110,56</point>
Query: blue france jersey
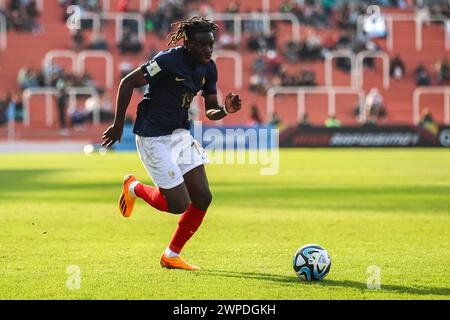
<point>173,81</point>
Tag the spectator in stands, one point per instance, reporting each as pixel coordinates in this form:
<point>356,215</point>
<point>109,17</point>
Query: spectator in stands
<point>149,19</point>
<point>422,76</point>
<point>77,39</point>
<point>347,16</point>
<point>254,118</point>
<point>130,42</point>
<point>273,62</point>
<point>332,122</point>
<point>27,78</point>
<point>86,80</point>
<point>5,98</point>
<point>291,51</point>
<point>345,41</point>
<point>375,108</point>
<point>11,107</point>
<point>167,13</point>
<point>259,83</point>
<point>291,80</point>
<point>271,39</point>
<point>443,70</point>
<point>428,123</point>
<point>16,106</point>
<point>343,63</point>
<point>227,41</point>
<point>123,6</point>
<point>254,25</point>
<point>439,10</point>
<point>319,17</point>
<point>304,122</point>
<point>287,6</point>
<point>312,47</point>
<point>22,16</point>
<point>275,120</point>
<point>17,22</point>
<point>125,67</point>
<point>52,72</point>
<point>153,51</point>
<point>254,42</point>
<point>312,13</point>
<point>31,8</point>
<point>103,105</point>
<point>259,64</point>
<point>62,101</point>
<point>371,47</point>
<point>397,68</point>
<point>78,118</point>
<point>308,78</point>
<point>98,42</point>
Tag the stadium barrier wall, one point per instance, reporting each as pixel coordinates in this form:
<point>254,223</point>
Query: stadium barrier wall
<point>386,136</point>
<point>264,137</point>
<point>267,138</point>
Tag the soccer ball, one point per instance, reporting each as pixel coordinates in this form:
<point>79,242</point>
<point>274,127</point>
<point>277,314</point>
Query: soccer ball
<point>311,262</point>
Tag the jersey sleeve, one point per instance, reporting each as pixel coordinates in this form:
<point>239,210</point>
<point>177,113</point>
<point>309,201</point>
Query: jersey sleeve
<point>156,69</point>
<point>210,86</point>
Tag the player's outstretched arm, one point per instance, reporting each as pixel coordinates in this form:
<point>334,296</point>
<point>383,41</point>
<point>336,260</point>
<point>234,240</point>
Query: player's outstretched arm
<point>214,111</point>
<point>134,80</point>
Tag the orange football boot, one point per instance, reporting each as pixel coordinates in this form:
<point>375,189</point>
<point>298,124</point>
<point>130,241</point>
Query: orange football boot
<point>176,263</point>
<point>126,199</point>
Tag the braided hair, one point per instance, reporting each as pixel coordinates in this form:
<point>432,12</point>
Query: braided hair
<point>186,29</point>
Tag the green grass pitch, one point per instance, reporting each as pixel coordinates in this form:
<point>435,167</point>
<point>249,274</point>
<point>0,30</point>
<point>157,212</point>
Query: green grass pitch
<point>389,208</point>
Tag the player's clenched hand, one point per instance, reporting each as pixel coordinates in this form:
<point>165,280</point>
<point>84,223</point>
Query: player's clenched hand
<point>111,135</point>
<point>233,103</point>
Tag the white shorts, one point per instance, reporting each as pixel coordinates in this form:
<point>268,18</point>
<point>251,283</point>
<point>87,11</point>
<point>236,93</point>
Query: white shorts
<point>168,158</point>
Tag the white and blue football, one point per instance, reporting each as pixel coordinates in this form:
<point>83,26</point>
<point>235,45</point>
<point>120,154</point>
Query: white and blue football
<point>311,262</point>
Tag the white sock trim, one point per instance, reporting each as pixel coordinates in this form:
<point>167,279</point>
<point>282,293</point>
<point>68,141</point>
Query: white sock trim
<point>169,253</point>
<point>132,186</point>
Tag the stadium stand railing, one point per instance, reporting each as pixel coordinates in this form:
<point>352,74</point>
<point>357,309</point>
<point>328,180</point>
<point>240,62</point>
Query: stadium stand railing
<point>53,54</point>
<point>357,66</point>
<point>330,56</point>
<point>432,90</point>
<point>3,33</point>
<point>363,55</point>
<point>302,91</point>
<point>78,61</point>
<point>118,18</point>
<point>109,61</point>
<point>26,96</point>
<point>49,93</point>
<point>266,18</point>
<point>419,22</point>
<point>419,29</point>
<point>238,64</point>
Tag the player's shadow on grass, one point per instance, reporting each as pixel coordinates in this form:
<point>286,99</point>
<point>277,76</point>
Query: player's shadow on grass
<point>287,280</point>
